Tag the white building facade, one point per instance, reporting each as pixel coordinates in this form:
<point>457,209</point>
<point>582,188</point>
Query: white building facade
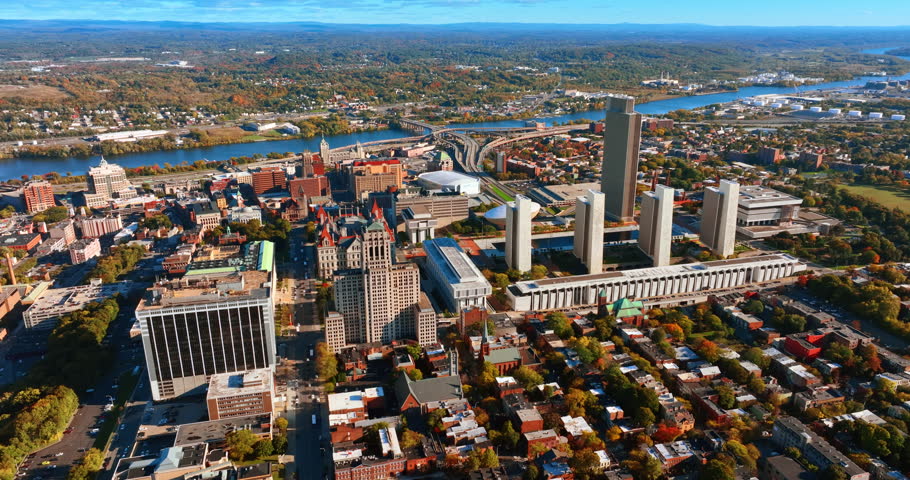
<point>582,290</point>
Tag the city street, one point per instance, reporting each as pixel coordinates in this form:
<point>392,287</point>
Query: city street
<point>78,439</point>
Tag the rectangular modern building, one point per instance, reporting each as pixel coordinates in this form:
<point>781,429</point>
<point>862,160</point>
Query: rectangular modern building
<point>518,234</point>
<point>47,305</point>
<point>718,218</point>
<point>656,225</point>
<point>582,290</point>
<point>240,394</point>
<point>589,230</point>
<point>38,196</point>
<point>760,205</point>
<point>212,321</point>
<point>456,277</point>
<point>622,139</point>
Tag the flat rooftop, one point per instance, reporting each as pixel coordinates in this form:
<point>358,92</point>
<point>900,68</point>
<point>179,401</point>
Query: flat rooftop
<point>665,271</point>
<point>242,383</point>
<point>757,196</point>
<point>54,302</point>
<point>214,287</point>
<point>217,430</point>
<point>453,261</point>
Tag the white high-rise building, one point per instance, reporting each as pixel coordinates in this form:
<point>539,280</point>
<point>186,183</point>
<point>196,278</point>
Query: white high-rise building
<point>656,225</point>
<point>518,234</point>
<point>718,218</point>
<point>589,230</point>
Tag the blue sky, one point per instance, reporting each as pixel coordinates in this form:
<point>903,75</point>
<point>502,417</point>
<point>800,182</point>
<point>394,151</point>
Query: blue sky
<point>711,12</point>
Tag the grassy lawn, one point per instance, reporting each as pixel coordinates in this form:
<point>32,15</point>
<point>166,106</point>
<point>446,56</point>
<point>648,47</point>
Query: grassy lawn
<point>127,384</point>
<point>888,195</point>
<point>499,193</point>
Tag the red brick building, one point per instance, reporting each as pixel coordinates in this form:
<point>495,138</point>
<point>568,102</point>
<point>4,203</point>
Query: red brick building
<point>269,178</point>
<point>309,187</point>
<point>540,441</point>
<point>38,196</point>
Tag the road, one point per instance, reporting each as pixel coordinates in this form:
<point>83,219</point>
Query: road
<point>73,445</point>
<point>307,443</point>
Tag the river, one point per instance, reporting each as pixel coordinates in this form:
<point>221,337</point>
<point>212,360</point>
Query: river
<point>16,167</point>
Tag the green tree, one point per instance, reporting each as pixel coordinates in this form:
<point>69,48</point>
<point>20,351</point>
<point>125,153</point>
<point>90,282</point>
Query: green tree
<point>585,463</point>
<point>326,363</point>
<point>644,466</point>
<point>717,470</point>
<point>559,323</point>
<point>528,378</point>
<point>833,472</point>
<point>157,221</point>
<point>415,374</point>
<point>89,467</point>
<point>506,437</point>
<point>538,272</point>
<point>280,443</point>
<point>644,417</point>
<point>263,448</point>
<point>241,444</point>
<point>754,307</point>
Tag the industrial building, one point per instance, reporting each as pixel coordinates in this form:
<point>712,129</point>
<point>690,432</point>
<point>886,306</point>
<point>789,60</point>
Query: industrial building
<point>456,277</point>
<point>583,290</point>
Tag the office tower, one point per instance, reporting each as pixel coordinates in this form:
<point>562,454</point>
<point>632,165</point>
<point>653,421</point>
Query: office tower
<point>622,135</point>
<point>107,181</point>
<point>324,151</point>
<point>214,320</point>
<point>718,217</point>
<point>656,225</point>
<point>38,196</point>
<point>518,234</point>
<point>589,230</point>
<point>268,178</point>
<point>380,301</point>
<point>500,162</point>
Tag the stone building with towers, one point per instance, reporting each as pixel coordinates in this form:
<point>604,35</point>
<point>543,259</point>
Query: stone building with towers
<point>377,300</point>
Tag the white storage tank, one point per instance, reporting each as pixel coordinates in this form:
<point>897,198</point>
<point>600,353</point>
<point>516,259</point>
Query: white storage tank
<point>759,103</point>
<point>875,115</point>
<point>796,107</point>
<point>855,113</point>
<point>777,105</point>
<point>835,111</point>
<point>898,117</point>
<point>815,109</point>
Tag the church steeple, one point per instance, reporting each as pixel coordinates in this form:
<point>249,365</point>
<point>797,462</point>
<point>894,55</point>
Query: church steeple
<point>485,341</point>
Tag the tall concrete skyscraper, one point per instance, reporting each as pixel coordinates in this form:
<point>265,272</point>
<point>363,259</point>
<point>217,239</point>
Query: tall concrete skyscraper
<point>718,217</point>
<point>656,225</point>
<point>589,230</point>
<point>518,234</point>
<point>622,136</point>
